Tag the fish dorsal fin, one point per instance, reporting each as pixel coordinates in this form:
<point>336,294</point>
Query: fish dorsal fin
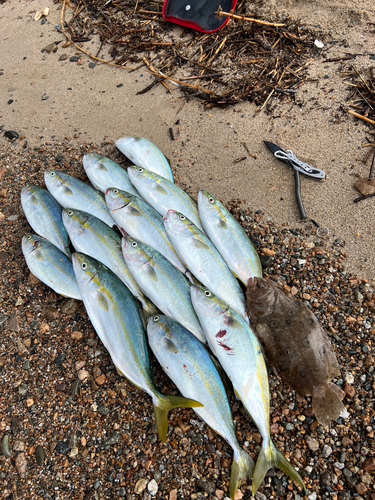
<point>200,244</point>
<point>170,346</point>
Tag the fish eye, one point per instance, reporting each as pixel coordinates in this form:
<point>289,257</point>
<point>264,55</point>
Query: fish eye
<point>84,266</point>
<point>140,169</point>
<point>70,213</point>
<point>134,244</point>
<point>115,191</point>
<point>211,200</point>
<point>52,174</point>
<point>182,217</point>
<point>207,293</point>
<point>28,237</point>
<point>156,319</point>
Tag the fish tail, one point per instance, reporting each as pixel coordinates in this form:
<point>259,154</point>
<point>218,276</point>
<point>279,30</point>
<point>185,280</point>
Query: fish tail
<point>242,467</point>
<point>327,403</point>
<point>271,457</point>
<point>163,404</point>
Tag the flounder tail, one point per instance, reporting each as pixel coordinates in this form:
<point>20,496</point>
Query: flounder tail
<point>163,404</point>
<point>242,467</point>
<point>327,402</point>
<point>271,457</point>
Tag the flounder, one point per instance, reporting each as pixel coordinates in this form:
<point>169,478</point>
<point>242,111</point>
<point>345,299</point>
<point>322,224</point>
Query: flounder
<point>296,346</point>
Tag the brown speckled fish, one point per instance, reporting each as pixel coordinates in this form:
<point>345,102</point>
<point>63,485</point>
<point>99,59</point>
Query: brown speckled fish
<point>296,346</point>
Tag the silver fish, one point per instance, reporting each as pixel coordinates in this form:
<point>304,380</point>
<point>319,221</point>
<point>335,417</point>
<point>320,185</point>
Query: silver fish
<point>203,260</point>
<point>73,193</point>
<point>233,342</point>
<point>43,213</point>
<point>116,318</point>
<point>163,195</point>
<point>93,237</point>
<point>104,173</point>
<point>134,216</point>
<point>49,264</point>
<point>143,153</point>
<point>229,238</point>
<point>187,362</point>
<point>165,285</point>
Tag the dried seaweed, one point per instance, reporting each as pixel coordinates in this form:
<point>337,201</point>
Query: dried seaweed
<point>362,93</point>
<point>244,61</point>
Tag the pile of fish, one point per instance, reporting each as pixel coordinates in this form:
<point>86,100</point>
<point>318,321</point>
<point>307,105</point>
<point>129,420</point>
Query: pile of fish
<point>171,283</point>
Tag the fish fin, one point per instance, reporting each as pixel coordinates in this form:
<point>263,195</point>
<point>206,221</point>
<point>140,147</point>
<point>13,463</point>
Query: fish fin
<point>170,346</point>
<point>200,244</point>
<point>34,200</point>
<point>163,404</point>
<point>39,256</point>
<point>272,457</point>
<point>160,189</point>
<point>151,273</point>
<point>101,301</point>
<point>242,467</point>
<point>102,167</point>
<point>222,224</point>
<point>67,191</point>
<point>134,211</point>
<point>326,403</point>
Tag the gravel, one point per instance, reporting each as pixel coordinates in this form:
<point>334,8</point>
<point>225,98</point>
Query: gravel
<point>71,427</point>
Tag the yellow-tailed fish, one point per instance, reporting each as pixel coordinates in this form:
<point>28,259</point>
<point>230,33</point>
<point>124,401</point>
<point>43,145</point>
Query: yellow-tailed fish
<point>229,238</point>
<point>43,213</point>
<point>93,237</point>
<point>163,195</point>
<point>138,219</point>
<point>239,353</point>
<point>203,260</point>
<point>73,193</point>
<point>163,283</point>
<point>104,173</point>
<point>49,264</point>
<point>187,362</point>
<point>143,153</point>
<point>115,315</point>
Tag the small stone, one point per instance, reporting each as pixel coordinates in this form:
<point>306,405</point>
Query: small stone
<point>238,495</point>
<point>77,335</point>
<point>44,328</point>
<point>83,375</point>
<point>29,402</point>
<point>349,378</point>
<point>369,465</point>
<point>361,488</point>
<point>45,97</point>
<point>5,447</point>
<point>347,441</point>
<point>80,364</point>
<point>62,447</point>
<point>13,324</point>
<point>19,445</point>
<point>173,495</point>
<point>152,487</point>
<point>140,486</point>
<point>12,135</point>
<point>51,313</point>
<point>21,465</point>
<point>39,455</point>
<point>63,57</point>
<point>3,193</point>
<point>206,485</point>
<point>76,388</point>
<point>312,443</point>
<point>32,280</point>
<point>219,494</point>
<point>74,59</point>
<point>349,390</point>
<point>312,496</point>
<point>60,387</point>
<point>22,390</point>
<point>101,380</point>
<point>268,252</point>
<point>327,451</point>
<point>70,307</point>
<point>92,65</point>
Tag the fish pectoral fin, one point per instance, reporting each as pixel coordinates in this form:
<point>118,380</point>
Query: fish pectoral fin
<point>39,256</point>
<point>67,191</point>
<point>222,224</point>
<point>102,301</point>
<point>160,189</point>
<point>134,211</point>
<point>170,346</point>
<point>200,244</point>
<point>151,272</point>
<point>34,200</point>
<point>163,405</point>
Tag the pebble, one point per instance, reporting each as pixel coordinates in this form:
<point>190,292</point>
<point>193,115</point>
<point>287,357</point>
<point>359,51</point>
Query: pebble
<point>70,307</point>
<point>74,59</point>
<point>51,313</point>
<point>45,97</point>
<point>39,455</point>
<point>312,443</point>
<point>152,487</point>
<point>83,375</point>
<point>327,451</point>
<point>11,134</point>
<point>63,57</point>
<point>21,465</point>
<point>5,447</point>
<point>349,378</point>
<point>62,447</point>
<point>140,486</point>
<point>77,335</point>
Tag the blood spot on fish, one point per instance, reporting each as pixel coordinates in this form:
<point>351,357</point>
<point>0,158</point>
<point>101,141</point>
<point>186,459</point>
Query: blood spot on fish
<point>226,348</point>
<point>221,334</point>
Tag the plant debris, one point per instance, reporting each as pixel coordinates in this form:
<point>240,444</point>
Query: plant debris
<point>244,61</point>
